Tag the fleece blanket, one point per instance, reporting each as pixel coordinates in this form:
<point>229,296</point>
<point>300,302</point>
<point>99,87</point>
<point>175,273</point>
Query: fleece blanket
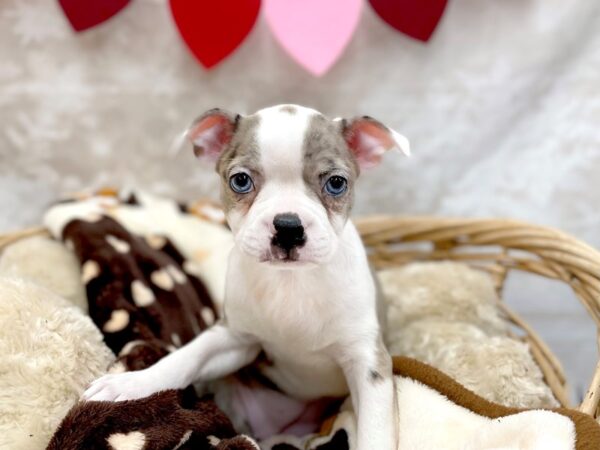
<point>147,302</point>
<point>138,292</point>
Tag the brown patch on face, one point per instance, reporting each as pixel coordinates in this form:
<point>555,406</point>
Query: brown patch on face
<point>326,154</point>
<point>289,109</point>
<point>586,428</point>
<point>242,151</point>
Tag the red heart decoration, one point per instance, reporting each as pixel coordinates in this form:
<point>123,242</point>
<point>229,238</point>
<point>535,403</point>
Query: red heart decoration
<point>84,14</point>
<point>416,18</point>
<point>212,29</point>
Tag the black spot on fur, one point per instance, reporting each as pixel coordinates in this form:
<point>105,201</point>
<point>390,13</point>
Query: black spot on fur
<point>375,376</point>
<point>339,441</point>
<point>132,200</point>
<point>289,109</point>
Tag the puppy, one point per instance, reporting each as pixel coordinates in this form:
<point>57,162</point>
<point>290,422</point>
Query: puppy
<point>298,285</point>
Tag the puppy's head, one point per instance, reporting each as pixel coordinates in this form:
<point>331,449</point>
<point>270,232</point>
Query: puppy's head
<point>288,176</point>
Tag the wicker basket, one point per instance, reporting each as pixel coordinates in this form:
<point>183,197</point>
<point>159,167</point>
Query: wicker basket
<point>495,246</point>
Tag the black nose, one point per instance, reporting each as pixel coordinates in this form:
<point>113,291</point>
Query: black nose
<point>289,232</point>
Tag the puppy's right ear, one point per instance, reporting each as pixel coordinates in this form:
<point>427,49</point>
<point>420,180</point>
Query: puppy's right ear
<point>368,139</point>
<point>211,132</point>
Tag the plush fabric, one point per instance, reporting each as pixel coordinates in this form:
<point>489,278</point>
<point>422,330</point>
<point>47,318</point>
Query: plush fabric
<point>166,420</point>
<point>139,293</point>
<point>456,418</point>
<point>49,352</point>
<point>436,412</point>
<point>196,230</point>
<point>446,314</point>
<point>47,262</point>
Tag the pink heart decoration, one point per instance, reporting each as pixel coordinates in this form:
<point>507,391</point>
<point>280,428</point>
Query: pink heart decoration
<point>313,32</point>
<point>416,18</point>
<point>84,14</point>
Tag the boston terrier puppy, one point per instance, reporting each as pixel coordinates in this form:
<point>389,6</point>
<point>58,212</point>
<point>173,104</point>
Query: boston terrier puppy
<point>299,287</point>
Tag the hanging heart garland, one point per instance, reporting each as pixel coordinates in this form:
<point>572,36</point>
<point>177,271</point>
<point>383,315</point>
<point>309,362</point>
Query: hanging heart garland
<point>313,32</point>
<point>87,14</point>
<point>212,29</point>
<point>416,18</point>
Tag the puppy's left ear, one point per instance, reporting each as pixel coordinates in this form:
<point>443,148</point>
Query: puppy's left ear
<point>369,139</point>
<point>211,132</point>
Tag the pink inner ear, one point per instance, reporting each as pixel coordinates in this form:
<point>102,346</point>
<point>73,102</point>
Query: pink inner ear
<point>368,141</point>
<point>211,135</point>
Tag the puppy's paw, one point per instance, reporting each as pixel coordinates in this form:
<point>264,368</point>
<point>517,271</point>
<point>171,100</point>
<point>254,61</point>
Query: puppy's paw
<point>120,386</point>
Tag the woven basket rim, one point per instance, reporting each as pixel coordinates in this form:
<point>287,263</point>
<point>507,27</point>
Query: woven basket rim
<point>550,253</point>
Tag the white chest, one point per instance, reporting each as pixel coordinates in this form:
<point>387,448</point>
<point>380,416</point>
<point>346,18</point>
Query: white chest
<point>302,318</point>
<point>300,310</point>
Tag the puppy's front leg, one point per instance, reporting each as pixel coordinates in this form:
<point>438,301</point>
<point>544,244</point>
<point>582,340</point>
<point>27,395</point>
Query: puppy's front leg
<point>217,352</point>
<point>368,371</point>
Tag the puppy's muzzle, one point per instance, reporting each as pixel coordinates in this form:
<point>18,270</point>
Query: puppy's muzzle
<point>289,235</point>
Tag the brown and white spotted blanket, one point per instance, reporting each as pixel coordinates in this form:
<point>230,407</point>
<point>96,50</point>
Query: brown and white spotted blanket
<point>138,293</point>
<point>167,420</point>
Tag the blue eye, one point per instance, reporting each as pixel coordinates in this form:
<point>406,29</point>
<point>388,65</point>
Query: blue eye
<point>241,183</point>
<point>336,185</point>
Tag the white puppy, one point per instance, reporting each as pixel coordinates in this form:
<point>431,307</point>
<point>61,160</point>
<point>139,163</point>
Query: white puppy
<point>298,283</point>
